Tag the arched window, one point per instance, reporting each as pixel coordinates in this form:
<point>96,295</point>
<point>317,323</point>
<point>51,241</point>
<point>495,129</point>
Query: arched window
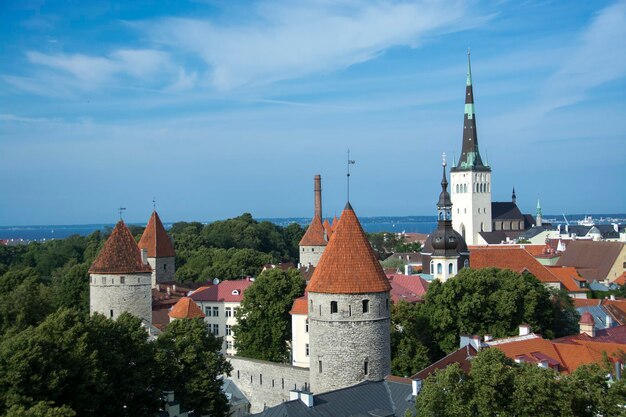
<point>439,268</point>
<point>482,227</point>
<point>366,306</point>
<point>432,266</point>
<point>333,307</point>
<point>450,268</point>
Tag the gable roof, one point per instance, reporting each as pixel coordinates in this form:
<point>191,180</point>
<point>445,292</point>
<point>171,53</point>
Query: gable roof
<point>185,308</point>
<point>592,259</point>
<point>348,264</point>
<point>515,259</point>
<point>569,278</point>
<point>156,240</point>
<point>315,234</point>
<point>300,305</point>
<point>225,291</point>
<point>409,288</point>
<point>120,254</point>
<point>505,211</point>
<point>461,356</point>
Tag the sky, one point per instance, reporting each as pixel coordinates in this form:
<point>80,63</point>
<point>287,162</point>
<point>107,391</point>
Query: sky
<point>216,108</point>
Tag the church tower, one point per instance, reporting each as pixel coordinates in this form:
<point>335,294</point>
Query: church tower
<point>349,311</point>
<point>538,216</point>
<point>315,238</point>
<point>120,278</point>
<point>470,178</point>
<point>445,251</point>
<point>161,254</point>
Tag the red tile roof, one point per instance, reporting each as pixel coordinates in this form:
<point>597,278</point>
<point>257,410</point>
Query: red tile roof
<point>156,240</point>
<point>621,280</point>
<point>536,347</point>
<point>300,305</point>
<point>586,318</point>
<point>315,234</point>
<point>333,225</point>
<point>185,308</point>
<point>515,259</point>
<point>569,278</point>
<point>409,288</point>
<point>227,291</point>
<point>328,229</point>
<point>461,356</point>
<point>120,254</point>
<point>348,264</point>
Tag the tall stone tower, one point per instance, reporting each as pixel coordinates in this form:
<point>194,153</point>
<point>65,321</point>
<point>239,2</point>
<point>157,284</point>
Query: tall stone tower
<point>315,239</point>
<point>445,251</point>
<point>161,254</point>
<point>349,311</point>
<point>120,278</point>
<point>470,178</point>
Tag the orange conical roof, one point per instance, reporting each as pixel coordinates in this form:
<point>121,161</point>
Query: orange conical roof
<point>186,308</point>
<point>328,229</point>
<point>156,240</point>
<point>120,254</point>
<point>333,225</point>
<point>348,264</point>
<point>314,235</point>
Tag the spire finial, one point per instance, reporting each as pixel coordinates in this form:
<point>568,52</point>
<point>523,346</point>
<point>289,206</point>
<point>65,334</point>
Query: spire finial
<point>120,210</point>
<point>350,162</point>
<point>513,196</point>
<point>153,203</point>
<point>443,157</point>
<point>469,68</point>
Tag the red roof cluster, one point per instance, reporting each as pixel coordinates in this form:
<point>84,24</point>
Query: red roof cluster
<point>409,288</point>
<point>315,234</point>
<point>227,291</point>
<point>348,264</point>
<point>515,259</point>
<point>185,308</point>
<point>120,254</point>
<point>156,240</point>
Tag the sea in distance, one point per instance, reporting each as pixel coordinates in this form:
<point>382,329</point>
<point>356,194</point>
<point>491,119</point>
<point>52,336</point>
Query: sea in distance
<point>407,224</point>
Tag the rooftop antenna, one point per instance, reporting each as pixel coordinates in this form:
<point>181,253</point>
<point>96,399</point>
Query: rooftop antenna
<point>154,203</point>
<point>120,210</point>
<point>350,162</point>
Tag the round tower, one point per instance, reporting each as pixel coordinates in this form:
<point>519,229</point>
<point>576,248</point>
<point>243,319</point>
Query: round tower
<point>314,241</point>
<point>349,311</point>
<point>120,278</point>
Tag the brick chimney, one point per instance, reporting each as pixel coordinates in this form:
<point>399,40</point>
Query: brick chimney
<point>318,195</point>
<point>587,324</point>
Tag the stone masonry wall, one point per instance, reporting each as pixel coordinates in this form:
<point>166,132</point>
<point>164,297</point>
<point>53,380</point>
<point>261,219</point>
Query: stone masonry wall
<point>311,255</point>
<point>266,383</point>
<point>107,293</point>
<point>163,270</point>
<point>344,341</point>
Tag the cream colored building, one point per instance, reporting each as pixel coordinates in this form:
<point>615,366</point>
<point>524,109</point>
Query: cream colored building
<point>300,348</point>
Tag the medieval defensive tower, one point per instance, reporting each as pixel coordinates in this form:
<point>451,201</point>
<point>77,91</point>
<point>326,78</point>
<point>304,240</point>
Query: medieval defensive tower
<point>161,255</point>
<point>120,278</point>
<point>315,238</point>
<point>349,311</point>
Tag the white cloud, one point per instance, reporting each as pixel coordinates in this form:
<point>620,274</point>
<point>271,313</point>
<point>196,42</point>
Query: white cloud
<point>293,39</point>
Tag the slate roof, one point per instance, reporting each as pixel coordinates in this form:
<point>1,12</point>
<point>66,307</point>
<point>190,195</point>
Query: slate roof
<point>156,240</point>
<point>368,399</point>
<point>498,236</point>
<point>225,291</point>
<point>120,254</point>
<point>315,234</point>
<point>348,264</point>
<point>506,210</point>
<point>593,260</point>
<point>186,308</point>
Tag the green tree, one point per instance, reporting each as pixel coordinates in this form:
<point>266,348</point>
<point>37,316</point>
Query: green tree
<point>41,409</point>
<point>492,376</point>
<point>264,323</point>
<point>26,305</point>
<point>409,339</point>
<point>192,365</point>
<point>70,286</point>
<point>537,392</point>
<point>446,393</point>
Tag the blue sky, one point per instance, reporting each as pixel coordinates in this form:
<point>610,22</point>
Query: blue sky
<point>218,108</point>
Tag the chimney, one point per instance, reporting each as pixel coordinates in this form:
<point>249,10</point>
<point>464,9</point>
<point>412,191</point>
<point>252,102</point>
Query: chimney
<point>416,384</point>
<point>475,341</point>
<point>144,256</point>
<point>294,394</point>
<point>174,287</point>
<point>524,329</point>
<point>465,340</point>
<point>307,398</point>
<point>587,325</point>
<point>488,338</point>
<point>169,291</point>
<point>609,322</point>
<point>612,297</point>
<point>318,195</point>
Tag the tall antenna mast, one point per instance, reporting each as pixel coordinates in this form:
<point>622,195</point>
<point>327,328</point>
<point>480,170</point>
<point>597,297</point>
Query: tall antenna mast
<point>350,162</point>
<point>120,210</point>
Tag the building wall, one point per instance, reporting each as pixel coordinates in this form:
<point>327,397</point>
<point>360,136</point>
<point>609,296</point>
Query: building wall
<point>618,267</point>
<point>446,264</point>
<point>471,209</point>
<point>110,297</point>
<point>163,270</point>
<point>221,320</point>
<point>311,255</point>
<point>342,342</point>
<point>266,383</point>
<point>300,340</point>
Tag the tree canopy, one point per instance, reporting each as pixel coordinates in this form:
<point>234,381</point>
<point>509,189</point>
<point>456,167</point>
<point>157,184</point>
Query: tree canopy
<point>264,322</point>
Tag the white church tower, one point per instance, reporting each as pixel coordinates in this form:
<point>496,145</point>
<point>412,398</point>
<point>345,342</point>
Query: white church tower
<point>470,179</point>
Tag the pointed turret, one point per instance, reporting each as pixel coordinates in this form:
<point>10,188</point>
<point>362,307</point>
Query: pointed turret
<point>315,238</point>
<point>161,254</point>
<point>185,308</point>
<point>328,229</point>
<point>120,254</point>
<point>470,156</point>
<point>513,196</point>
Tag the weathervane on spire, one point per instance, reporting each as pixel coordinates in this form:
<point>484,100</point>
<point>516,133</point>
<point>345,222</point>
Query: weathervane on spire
<point>120,210</point>
<point>350,162</point>
<point>154,203</point>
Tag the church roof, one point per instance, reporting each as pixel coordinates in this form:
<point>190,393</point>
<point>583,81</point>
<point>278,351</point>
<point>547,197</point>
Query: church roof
<point>505,210</point>
<point>186,308</point>
<point>315,234</point>
<point>120,254</point>
<point>156,240</point>
<point>348,264</point>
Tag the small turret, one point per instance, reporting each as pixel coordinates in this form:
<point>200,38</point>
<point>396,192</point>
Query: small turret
<point>160,250</point>
<point>316,237</point>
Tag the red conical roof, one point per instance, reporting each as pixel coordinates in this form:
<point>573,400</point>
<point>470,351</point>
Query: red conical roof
<point>586,318</point>
<point>156,240</point>
<point>348,264</point>
<point>120,254</point>
<point>186,308</point>
<point>314,235</point>
<point>328,229</point>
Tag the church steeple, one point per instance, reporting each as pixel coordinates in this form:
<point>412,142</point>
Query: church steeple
<point>538,216</point>
<point>513,196</point>
<point>470,156</point>
<point>444,205</point>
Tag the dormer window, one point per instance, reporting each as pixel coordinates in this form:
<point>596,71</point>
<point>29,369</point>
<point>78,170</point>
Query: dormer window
<point>235,292</point>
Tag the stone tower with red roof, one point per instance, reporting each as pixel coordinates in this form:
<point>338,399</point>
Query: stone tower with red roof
<point>120,278</point>
<point>315,239</point>
<point>349,311</point>
<point>161,255</point>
